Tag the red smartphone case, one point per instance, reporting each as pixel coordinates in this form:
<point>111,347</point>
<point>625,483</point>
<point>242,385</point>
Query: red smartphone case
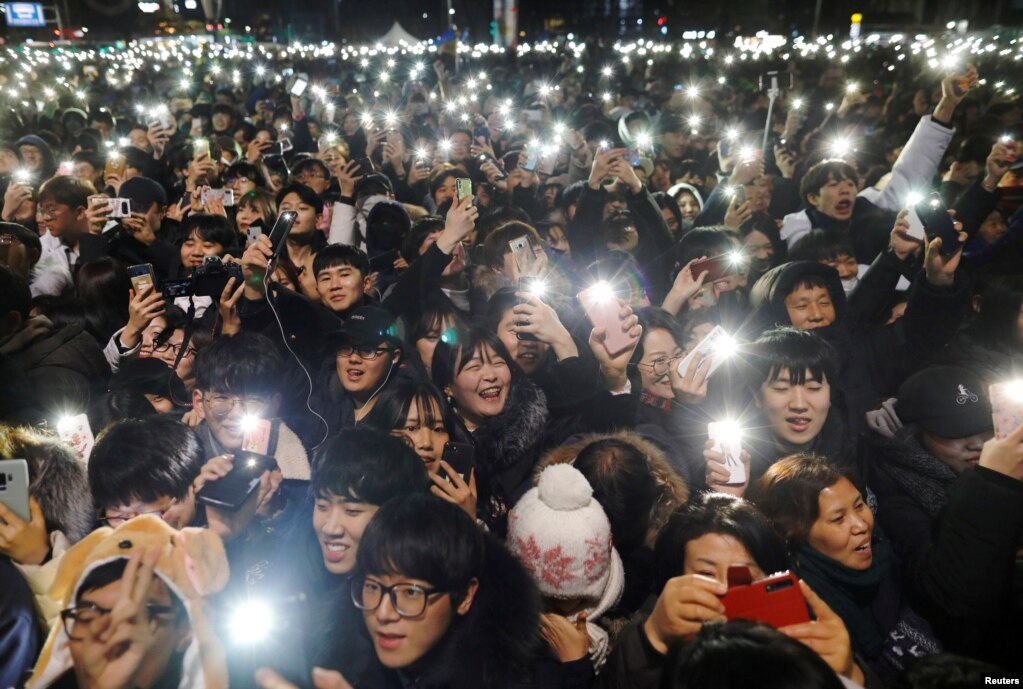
<point>776,600</point>
<point>717,267</point>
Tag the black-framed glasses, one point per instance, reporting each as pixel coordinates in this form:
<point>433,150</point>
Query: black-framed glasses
<point>173,347</point>
<point>663,364</point>
<point>81,619</point>
<point>408,600</point>
<point>367,352</point>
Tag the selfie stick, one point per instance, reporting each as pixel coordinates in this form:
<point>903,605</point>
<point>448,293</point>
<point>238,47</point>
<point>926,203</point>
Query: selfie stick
<point>772,94</point>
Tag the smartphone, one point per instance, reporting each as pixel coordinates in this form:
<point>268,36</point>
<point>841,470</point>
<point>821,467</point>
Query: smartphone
<point>460,456</point>
<point>141,276</point>
<point>1006,406</point>
<point>76,432</point>
<point>634,156</point>
<point>481,131</point>
<point>14,487</point>
<point>776,600</point>
<point>602,308</point>
<point>916,226</point>
<point>529,284</point>
<point>299,87</point>
<point>724,147</point>
<point>717,267</point>
<point>718,345</point>
<point>938,223</point>
<point>531,162</point>
<point>365,166</point>
<point>281,230</point>
<point>523,254</point>
<point>119,208</point>
<point>384,261</point>
<point>115,165</point>
<point>739,194</point>
<point>66,168</point>
<point>226,196</point>
<point>256,437</point>
<point>230,492</point>
<point>463,187</point>
<point>533,115</point>
<point>200,149</point>
<point>728,441</point>
<point>6,241</point>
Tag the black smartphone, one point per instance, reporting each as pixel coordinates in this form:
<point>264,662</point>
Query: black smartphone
<point>231,491</point>
<point>461,457</point>
<point>481,130</point>
<point>384,261</point>
<point>281,230</point>
<point>365,166</point>
<point>938,223</point>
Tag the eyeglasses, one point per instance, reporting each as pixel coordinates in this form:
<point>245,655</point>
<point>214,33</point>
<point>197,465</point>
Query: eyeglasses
<point>408,600</point>
<point>662,365</point>
<point>116,520</point>
<point>173,347</point>
<point>367,352</point>
<point>310,175</point>
<point>81,619</point>
<point>221,405</point>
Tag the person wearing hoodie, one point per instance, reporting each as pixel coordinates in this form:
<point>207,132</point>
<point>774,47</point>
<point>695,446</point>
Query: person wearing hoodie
<point>829,187</point>
<point>875,359</point>
<point>135,611</point>
<point>690,204</point>
<point>940,491</point>
<point>37,158</point>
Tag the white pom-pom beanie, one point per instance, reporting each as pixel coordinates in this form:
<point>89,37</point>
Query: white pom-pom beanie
<point>562,535</point>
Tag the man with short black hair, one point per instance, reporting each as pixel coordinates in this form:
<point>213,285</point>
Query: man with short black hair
<point>146,467</point>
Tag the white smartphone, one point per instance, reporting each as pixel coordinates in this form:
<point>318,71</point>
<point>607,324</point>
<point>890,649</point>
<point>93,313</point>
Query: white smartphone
<point>916,227</point>
<point>14,486</point>
<point>718,344</point>
<point>299,87</point>
<point>727,439</point>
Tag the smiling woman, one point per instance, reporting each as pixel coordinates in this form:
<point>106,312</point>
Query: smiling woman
<point>827,523</point>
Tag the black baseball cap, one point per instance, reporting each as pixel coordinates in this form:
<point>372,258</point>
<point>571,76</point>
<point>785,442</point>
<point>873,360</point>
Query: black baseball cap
<point>370,325</point>
<point>946,401</point>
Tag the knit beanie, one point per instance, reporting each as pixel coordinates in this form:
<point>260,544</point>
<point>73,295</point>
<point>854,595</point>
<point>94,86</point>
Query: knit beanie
<point>562,535</point>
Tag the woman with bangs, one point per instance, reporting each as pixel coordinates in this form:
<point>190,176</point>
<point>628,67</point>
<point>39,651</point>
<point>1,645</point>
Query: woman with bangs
<point>255,207</point>
<point>438,318</point>
<point>507,417</point>
<point>417,413</point>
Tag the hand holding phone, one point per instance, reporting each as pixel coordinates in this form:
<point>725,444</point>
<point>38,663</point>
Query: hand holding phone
<point>604,311</point>
<point>938,223</point>
<point>14,487</point>
<point>777,600</point>
<point>281,230</point>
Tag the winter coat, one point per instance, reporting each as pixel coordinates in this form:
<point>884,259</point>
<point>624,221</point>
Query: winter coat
<point>956,537</point>
<point>20,640</point>
<point>874,360</point>
<point>673,494</point>
<point>874,211</point>
<point>492,646</point>
<point>63,366</point>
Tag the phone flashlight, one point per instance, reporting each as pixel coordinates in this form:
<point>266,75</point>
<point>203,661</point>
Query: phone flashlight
<point>65,424</point>
<point>251,622</point>
<point>913,198</point>
<point>249,422</point>
<point>603,292</point>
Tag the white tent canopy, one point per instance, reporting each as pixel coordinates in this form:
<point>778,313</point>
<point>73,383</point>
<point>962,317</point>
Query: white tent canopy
<point>397,35</point>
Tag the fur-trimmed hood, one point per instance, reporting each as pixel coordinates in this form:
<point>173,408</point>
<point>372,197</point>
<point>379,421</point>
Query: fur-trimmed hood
<point>513,435</point>
<point>674,492</point>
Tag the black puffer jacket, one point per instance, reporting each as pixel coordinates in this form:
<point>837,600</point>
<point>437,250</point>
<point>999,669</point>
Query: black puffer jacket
<point>956,538</point>
<point>63,366</point>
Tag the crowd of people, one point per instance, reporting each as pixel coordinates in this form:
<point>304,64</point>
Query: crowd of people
<point>536,370</point>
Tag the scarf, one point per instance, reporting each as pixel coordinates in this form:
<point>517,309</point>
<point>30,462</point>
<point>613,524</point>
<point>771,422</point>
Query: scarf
<point>918,473</point>
<point>850,592</point>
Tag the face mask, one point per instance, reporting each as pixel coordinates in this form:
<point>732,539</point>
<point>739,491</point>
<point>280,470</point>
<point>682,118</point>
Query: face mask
<point>687,224</point>
<point>760,265</point>
<point>419,109</point>
<point>849,285</point>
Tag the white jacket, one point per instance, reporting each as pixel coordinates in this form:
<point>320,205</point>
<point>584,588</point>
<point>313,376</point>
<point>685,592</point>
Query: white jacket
<point>913,171</point>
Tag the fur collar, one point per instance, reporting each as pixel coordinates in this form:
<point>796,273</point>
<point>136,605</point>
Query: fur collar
<point>512,437</point>
<point>674,492</point>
